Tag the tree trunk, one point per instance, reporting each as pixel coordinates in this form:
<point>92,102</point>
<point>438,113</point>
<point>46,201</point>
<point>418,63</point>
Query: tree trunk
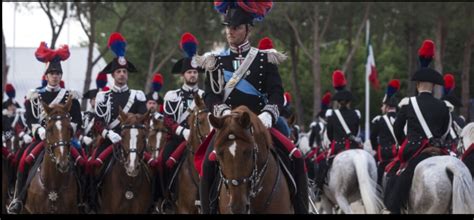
<point>439,41</point>
<point>348,72</point>
<point>294,82</point>
<point>412,48</point>
<point>316,65</point>
<point>465,77</point>
<point>4,63</point>
<point>90,54</point>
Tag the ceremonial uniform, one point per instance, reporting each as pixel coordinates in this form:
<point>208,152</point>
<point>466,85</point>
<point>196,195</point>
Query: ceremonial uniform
<point>177,106</point>
<point>108,105</point>
<point>36,117</point>
<point>437,117</point>
<point>248,76</point>
<point>382,136</point>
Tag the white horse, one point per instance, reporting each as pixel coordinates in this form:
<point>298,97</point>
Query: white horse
<point>441,185</point>
<point>467,136</point>
<point>352,176</point>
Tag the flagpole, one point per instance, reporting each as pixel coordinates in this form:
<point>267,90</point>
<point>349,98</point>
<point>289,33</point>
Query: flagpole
<point>367,93</point>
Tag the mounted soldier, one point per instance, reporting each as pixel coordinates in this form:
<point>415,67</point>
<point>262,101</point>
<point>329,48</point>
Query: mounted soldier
<point>108,104</point>
<point>318,140</point>
<point>382,136</point>
<point>51,94</point>
<point>244,75</point>
<point>154,101</point>
<point>343,125</point>
<point>178,104</point>
<point>453,102</point>
<point>428,121</point>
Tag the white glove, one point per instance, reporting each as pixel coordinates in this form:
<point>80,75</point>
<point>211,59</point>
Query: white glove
<point>183,131</point>
<point>186,133</point>
<point>226,112</point>
<point>111,135</point>
<point>266,119</point>
<point>86,140</point>
<point>41,133</point>
<point>26,137</point>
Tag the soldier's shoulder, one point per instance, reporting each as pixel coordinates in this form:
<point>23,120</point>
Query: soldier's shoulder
<point>273,56</point>
<point>328,113</point>
<point>140,95</point>
<point>33,94</point>
<point>405,101</point>
<point>357,112</point>
<point>172,95</point>
<point>101,96</point>
<point>75,94</point>
<point>376,119</point>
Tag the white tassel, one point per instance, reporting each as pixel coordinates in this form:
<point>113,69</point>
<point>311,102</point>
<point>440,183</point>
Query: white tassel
<point>274,56</point>
<point>207,62</point>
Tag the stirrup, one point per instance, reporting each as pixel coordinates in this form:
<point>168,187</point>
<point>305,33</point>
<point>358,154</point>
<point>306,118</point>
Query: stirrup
<point>12,203</point>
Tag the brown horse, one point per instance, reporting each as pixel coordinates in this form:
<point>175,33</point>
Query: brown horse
<point>126,188</point>
<point>156,140</point>
<point>251,178</point>
<point>53,188</point>
<point>188,185</point>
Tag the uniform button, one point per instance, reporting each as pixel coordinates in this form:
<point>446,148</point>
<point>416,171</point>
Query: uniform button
<point>260,82</point>
<point>220,64</point>
<point>219,58</point>
<point>261,60</point>
<point>261,74</point>
<point>261,54</point>
<point>260,89</point>
<point>229,97</point>
<point>260,103</point>
<point>261,67</point>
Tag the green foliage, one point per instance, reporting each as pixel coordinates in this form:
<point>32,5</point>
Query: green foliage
<point>389,22</point>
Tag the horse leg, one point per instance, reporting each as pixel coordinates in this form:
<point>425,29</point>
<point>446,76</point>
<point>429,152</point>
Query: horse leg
<point>343,203</point>
<point>326,205</point>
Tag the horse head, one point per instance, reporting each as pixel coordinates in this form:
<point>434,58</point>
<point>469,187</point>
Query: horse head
<point>199,124</point>
<point>242,145</point>
<point>156,136</point>
<point>134,133</point>
<point>59,134</point>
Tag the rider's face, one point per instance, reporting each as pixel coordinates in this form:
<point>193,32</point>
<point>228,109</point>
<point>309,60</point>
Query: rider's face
<point>236,35</point>
<point>190,77</point>
<point>54,78</point>
<point>120,76</point>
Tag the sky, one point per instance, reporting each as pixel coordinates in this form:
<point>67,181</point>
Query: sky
<point>32,27</point>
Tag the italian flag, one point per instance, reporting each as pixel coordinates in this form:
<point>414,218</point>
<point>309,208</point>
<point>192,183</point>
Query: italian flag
<point>370,69</point>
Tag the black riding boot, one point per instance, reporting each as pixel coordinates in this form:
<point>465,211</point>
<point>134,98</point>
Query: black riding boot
<point>207,185</point>
<point>19,195</point>
<point>301,198</point>
<point>321,174</point>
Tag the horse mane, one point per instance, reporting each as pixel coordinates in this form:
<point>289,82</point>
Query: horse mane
<point>260,132</point>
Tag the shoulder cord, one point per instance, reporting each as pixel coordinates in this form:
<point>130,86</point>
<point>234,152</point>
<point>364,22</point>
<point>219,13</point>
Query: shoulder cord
<point>173,110</point>
<point>219,82</point>
<point>107,113</point>
<point>35,111</point>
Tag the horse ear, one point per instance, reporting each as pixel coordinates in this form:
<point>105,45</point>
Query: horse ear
<point>198,100</point>
<point>292,119</point>
<point>146,117</point>
<point>216,122</point>
<point>46,107</point>
<point>68,104</point>
<point>244,120</point>
<point>122,115</point>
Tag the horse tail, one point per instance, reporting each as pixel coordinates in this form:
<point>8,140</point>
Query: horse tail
<point>367,186</point>
<point>463,189</point>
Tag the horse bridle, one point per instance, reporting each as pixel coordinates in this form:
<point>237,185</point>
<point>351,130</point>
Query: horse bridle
<point>124,153</point>
<point>255,179</point>
<point>197,122</point>
<point>156,130</point>
<point>51,146</point>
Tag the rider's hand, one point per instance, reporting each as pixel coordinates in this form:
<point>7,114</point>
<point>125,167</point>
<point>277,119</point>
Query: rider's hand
<point>41,133</point>
<point>111,135</point>
<point>266,119</point>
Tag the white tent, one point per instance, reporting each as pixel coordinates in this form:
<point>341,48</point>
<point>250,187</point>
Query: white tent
<point>26,71</point>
